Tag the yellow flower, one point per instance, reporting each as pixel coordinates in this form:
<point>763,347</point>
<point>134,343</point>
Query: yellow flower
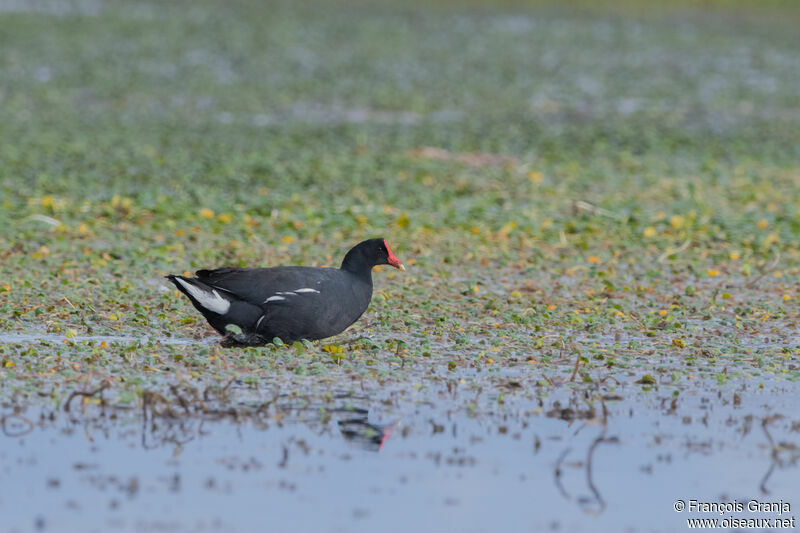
<point>712,272</point>
<point>43,251</point>
<point>786,297</point>
<point>594,259</point>
<point>333,348</point>
<point>762,224</point>
<point>733,256</point>
<point>287,239</point>
<point>771,239</point>
<point>118,201</point>
<point>676,221</point>
<point>206,213</point>
<point>535,176</point>
<point>650,232</point>
<point>224,217</point>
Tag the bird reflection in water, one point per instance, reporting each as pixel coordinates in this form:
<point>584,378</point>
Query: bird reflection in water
<point>365,435</point>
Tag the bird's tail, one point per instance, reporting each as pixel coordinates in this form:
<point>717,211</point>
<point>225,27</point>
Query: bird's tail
<point>202,296</point>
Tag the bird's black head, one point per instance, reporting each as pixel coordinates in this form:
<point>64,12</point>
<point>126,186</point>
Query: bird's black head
<point>365,255</point>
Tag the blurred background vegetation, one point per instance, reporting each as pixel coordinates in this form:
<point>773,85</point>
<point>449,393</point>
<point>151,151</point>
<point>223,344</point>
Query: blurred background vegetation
<point>138,138</point>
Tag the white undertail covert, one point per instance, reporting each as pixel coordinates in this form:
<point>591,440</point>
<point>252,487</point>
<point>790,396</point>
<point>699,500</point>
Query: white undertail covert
<point>210,299</point>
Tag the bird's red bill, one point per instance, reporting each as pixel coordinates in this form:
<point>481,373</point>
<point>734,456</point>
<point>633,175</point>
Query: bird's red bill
<point>393,260</point>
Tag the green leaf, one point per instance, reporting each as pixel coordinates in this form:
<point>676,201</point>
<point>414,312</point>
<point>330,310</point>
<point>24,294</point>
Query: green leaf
<point>647,379</point>
<point>233,328</point>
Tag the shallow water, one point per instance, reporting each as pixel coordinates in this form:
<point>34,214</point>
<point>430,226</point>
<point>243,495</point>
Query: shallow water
<point>391,460</point>
<point>36,338</point>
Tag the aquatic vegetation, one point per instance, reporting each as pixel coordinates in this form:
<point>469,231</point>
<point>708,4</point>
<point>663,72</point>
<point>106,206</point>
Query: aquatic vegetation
<point>598,209</point>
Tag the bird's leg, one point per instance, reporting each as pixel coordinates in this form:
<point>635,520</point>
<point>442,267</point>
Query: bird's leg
<point>242,339</point>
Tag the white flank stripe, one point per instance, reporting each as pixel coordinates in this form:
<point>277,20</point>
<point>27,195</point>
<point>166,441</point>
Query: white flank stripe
<point>210,300</point>
<point>306,290</point>
<point>259,322</point>
<point>274,299</point>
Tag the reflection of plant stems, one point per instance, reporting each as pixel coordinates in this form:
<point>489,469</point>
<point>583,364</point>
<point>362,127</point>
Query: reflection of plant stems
<point>557,474</point>
<point>763,484</point>
<point>264,407</point>
<point>764,423</point>
<point>145,401</point>
<point>285,458</point>
<point>773,449</point>
<point>589,480</point>
<point>181,400</point>
<point>580,428</point>
<point>605,412</point>
<point>89,394</point>
<point>7,433</point>
<point>169,419</point>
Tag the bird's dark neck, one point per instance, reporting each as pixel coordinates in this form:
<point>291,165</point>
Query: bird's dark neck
<point>357,263</point>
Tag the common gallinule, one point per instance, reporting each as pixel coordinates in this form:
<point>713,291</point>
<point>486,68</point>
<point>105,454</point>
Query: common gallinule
<point>253,306</point>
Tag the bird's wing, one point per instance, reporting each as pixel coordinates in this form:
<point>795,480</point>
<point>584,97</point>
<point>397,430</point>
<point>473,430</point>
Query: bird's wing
<point>260,286</point>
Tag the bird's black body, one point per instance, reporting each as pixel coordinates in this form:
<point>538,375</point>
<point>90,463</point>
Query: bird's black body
<point>291,303</point>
